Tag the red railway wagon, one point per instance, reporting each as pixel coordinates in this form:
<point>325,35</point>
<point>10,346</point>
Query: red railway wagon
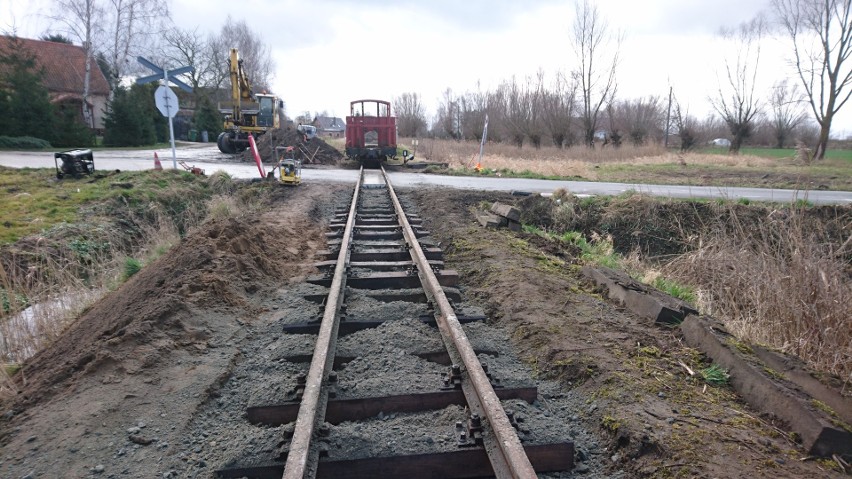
<point>370,131</point>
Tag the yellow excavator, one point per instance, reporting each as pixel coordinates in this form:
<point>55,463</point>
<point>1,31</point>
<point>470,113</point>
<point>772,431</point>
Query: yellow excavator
<point>250,114</point>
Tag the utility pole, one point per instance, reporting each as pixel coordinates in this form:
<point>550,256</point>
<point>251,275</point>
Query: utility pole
<point>668,119</point>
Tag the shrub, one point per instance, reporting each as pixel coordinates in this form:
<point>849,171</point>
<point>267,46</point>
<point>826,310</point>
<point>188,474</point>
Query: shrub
<point>222,183</point>
<point>23,143</point>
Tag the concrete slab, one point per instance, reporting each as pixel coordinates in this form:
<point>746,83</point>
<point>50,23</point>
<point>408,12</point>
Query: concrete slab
<point>642,299</point>
<point>820,433</point>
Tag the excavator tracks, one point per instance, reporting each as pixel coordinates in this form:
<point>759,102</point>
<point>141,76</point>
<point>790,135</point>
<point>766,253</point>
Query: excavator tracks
<point>345,413</point>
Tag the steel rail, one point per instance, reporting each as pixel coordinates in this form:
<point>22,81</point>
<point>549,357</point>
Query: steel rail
<point>314,398</point>
<point>508,458</point>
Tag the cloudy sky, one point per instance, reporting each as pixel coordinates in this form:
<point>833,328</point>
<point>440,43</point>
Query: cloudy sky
<point>329,52</point>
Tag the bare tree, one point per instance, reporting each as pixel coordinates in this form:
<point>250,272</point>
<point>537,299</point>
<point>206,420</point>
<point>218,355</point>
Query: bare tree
<point>786,111</point>
<point>474,106</point>
<point>558,106</point>
<point>593,47</point>
<point>640,119</point>
<point>258,63</point>
<point>686,126</point>
<point>534,98</point>
<point>218,52</point>
<point>188,47</point>
<point>410,114</point>
<point>516,113</point>
<point>448,117</point>
<point>495,109</point>
<point>735,100</point>
<point>79,19</point>
<point>131,25</point>
<point>821,33</point>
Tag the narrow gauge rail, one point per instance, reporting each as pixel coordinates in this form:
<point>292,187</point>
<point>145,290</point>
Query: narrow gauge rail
<point>489,444</point>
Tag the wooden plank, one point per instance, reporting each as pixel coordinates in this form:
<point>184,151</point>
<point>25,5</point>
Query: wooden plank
<point>341,410</point>
<point>355,325</point>
<point>377,265</point>
<point>461,464</point>
<point>381,254</point>
<point>389,279</point>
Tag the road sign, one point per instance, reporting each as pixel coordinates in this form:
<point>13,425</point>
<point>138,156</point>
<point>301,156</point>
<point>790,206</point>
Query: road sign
<point>160,74</point>
<point>167,101</point>
<point>164,97</point>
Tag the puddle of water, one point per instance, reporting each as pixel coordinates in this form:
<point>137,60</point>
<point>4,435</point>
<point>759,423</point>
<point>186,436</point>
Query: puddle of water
<point>22,335</point>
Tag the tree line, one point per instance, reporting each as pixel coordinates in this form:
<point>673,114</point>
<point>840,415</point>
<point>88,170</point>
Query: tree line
<point>581,106</point>
<point>113,33</point>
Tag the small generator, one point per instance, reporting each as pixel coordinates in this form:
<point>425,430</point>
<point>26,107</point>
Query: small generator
<point>75,163</point>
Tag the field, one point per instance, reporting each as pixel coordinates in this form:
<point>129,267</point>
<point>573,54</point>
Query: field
<point>755,167</point>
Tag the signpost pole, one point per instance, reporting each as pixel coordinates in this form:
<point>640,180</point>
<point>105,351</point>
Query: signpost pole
<point>171,125</point>
<point>164,97</point>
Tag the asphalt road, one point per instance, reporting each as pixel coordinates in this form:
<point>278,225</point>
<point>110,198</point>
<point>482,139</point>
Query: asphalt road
<point>210,159</point>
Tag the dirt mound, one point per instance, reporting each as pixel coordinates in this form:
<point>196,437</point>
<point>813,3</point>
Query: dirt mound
<point>165,305</point>
<point>311,152</point>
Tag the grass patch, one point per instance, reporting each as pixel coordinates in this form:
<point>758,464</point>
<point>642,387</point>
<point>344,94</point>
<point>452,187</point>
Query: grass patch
<point>597,250</point>
<point>34,201</point>
<point>131,267</point>
<point>715,375</point>
<point>610,423</point>
<point>674,288</point>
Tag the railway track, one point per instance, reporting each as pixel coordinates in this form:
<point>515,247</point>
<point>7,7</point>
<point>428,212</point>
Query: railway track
<point>380,251</point>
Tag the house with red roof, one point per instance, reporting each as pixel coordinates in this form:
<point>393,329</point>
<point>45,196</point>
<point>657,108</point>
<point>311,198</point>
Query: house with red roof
<point>64,69</point>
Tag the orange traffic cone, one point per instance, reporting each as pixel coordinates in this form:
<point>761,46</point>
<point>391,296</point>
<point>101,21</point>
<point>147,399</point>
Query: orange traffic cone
<point>477,168</point>
<point>157,164</point>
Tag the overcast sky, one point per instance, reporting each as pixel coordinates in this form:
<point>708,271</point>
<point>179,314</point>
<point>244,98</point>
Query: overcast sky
<point>333,51</point>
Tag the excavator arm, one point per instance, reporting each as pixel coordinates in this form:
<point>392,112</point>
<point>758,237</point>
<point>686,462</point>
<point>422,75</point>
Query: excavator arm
<point>261,111</point>
<point>240,85</point>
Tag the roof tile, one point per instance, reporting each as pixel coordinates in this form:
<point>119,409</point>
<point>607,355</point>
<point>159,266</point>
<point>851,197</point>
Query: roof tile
<point>64,66</point>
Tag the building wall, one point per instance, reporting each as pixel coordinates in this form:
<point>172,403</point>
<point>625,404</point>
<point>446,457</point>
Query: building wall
<point>99,110</point>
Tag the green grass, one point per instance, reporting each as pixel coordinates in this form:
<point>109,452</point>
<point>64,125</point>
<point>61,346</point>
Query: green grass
<point>715,375</point>
<point>131,267</point>
<point>673,288</point>
<point>835,174</point>
<point>34,201</point>
<point>597,251</point>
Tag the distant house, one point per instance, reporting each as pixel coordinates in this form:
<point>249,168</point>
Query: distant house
<point>329,126</point>
<point>64,68</point>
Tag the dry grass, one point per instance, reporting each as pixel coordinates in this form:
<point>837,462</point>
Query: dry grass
<point>40,304</point>
<point>576,161</point>
<point>783,284</point>
<point>43,301</point>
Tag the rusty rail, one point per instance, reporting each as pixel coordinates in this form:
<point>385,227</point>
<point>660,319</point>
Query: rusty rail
<point>505,451</point>
<point>314,398</point>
